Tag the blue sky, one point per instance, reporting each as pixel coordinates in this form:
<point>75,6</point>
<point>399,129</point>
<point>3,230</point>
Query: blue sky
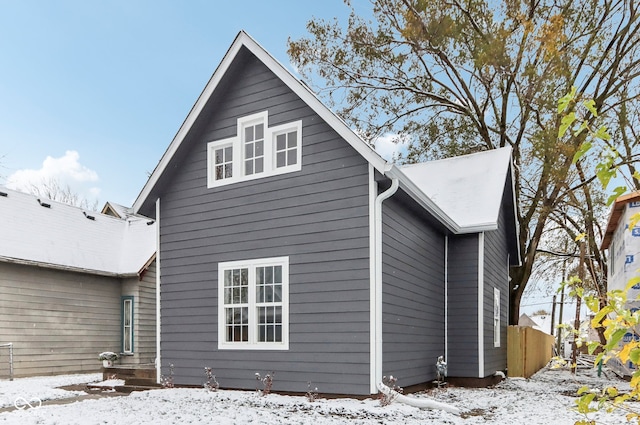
<point>92,92</point>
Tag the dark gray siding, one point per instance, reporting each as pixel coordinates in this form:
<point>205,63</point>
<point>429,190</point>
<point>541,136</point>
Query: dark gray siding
<point>496,275</point>
<point>413,293</point>
<point>318,217</point>
<point>462,323</point>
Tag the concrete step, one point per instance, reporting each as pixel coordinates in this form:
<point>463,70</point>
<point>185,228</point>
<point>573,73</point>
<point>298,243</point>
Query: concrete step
<point>130,372</point>
<point>142,382</point>
<point>131,388</point>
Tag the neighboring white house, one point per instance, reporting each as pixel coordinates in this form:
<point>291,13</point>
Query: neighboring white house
<point>74,283</point>
<point>623,245</point>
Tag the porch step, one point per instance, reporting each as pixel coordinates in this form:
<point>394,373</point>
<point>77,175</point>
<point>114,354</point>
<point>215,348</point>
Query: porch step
<point>135,375</point>
<point>126,389</point>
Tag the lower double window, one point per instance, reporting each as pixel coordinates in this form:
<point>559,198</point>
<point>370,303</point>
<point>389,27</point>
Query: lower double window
<point>253,311</point>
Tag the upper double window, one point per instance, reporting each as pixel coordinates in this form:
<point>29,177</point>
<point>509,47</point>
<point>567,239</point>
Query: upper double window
<point>256,151</point>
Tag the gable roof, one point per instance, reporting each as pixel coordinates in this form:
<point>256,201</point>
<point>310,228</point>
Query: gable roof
<point>616,214</point>
<point>414,186</point>
<point>116,210</point>
<point>69,238</point>
<point>468,188</point>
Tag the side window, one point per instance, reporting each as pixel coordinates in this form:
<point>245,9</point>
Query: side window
<point>223,162</point>
<point>127,324</point>
<point>253,309</point>
<point>254,149</point>
<point>286,149</point>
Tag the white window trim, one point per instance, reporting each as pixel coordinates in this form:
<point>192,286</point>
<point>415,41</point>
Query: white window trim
<point>496,317</point>
<point>127,307</point>
<point>270,168</point>
<point>253,344</point>
<point>282,129</point>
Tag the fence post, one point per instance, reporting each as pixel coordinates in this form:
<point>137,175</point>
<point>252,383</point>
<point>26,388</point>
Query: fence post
<point>10,346</point>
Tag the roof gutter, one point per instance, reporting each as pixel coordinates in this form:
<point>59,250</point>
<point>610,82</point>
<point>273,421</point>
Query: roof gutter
<point>62,267</point>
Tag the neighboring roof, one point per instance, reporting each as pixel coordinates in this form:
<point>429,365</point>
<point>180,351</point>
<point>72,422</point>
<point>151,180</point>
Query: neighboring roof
<point>116,210</point>
<point>468,188</point>
<point>65,237</point>
<point>616,214</point>
<point>414,186</point>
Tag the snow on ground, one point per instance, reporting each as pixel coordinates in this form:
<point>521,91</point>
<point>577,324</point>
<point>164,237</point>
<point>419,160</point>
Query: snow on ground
<point>543,399</point>
<point>42,388</point>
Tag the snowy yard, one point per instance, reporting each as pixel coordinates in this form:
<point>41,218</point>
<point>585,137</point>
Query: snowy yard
<point>543,399</point>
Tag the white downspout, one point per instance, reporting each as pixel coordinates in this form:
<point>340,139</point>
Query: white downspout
<point>377,263</point>
<point>158,363</point>
<point>446,298</point>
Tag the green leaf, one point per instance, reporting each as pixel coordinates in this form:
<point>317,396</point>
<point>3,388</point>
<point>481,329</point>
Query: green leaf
<point>615,339</point>
<point>616,194</point>
<point>602,133</point>
<point>591,106</point>
<point>566,122</point>
<point>580,129</point>
<point>583,389</point>
<point>582,150</point>
<point>600,315</point>
<point>592,345</point>
<point>565,100</point>
<point>605,174</point>
<point>592,303</point>
<point>635,356</point>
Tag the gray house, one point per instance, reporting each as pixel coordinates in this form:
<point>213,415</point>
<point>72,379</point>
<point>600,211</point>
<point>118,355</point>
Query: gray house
<point>74,283</point>
<point>287,244</point>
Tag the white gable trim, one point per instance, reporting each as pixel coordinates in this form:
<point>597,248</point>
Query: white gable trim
<point>244,40</point>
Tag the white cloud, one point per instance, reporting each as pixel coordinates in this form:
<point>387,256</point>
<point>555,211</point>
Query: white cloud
<point>390,145</point>
<point>65,171</point>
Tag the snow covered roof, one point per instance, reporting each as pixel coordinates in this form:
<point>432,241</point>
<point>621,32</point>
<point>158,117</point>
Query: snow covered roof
<point>51,234</point>
<point>466,188</point>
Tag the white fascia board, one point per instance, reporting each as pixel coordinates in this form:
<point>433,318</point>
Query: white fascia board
<point>243,39</point>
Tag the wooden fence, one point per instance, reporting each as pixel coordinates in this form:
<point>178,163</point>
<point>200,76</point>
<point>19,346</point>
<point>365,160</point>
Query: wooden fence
<point>528,350</point>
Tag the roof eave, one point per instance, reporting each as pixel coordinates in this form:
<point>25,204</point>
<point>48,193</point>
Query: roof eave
<point>67,268</point>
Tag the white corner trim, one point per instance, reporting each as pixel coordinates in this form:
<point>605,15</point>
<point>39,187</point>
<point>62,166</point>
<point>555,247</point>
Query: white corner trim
<point>481,305</point>
<point>158,363</point>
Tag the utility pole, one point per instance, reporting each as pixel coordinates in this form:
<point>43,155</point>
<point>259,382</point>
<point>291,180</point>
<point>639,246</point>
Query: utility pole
<point>559,345</point>
<point>553,315</point>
